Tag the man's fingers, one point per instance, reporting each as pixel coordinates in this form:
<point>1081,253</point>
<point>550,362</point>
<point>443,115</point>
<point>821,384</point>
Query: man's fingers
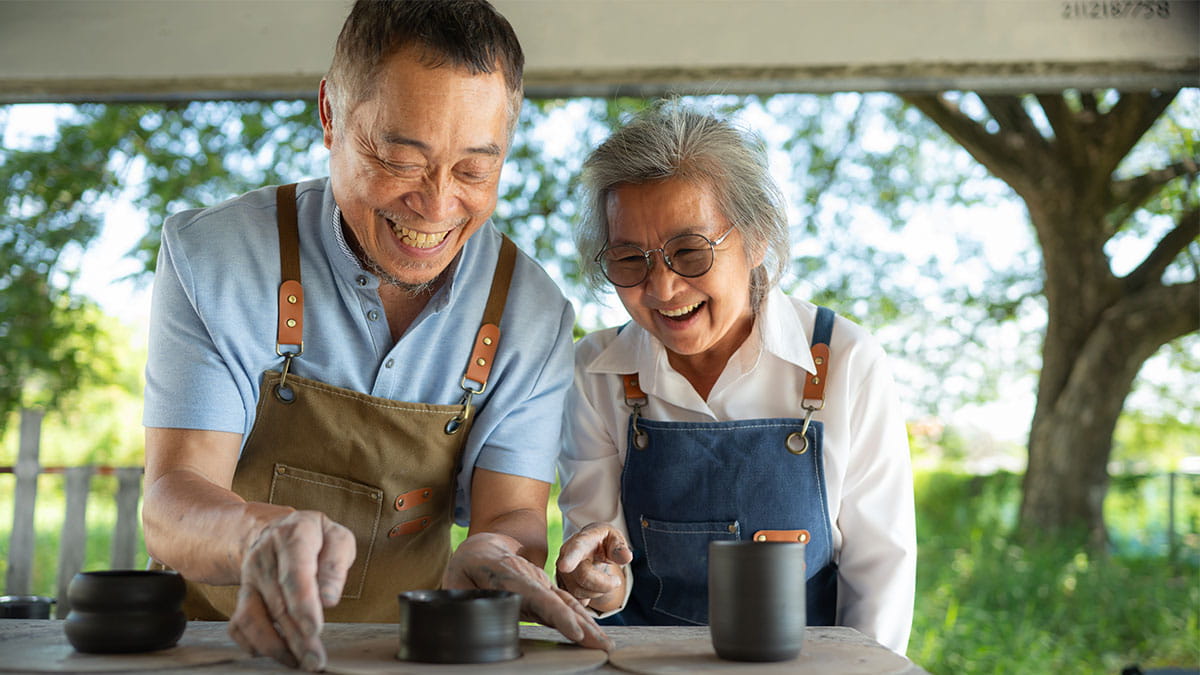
<point>334,561</point>
<point>252,628</point>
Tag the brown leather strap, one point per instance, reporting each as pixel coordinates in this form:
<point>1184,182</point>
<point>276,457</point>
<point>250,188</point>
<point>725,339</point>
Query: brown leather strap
<point>413,498</point>
<point>814,385</point>
<point>782,535</point>
<point>487,340</point>
<point>291,293</point>
<point>633,390</point>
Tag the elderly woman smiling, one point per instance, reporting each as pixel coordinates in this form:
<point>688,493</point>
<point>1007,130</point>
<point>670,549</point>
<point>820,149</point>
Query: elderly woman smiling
<point>725,409</point>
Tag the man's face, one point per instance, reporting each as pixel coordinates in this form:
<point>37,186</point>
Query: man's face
<point>415,169</point>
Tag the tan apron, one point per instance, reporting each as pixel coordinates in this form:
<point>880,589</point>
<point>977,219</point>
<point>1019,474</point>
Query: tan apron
<point>384,469</point>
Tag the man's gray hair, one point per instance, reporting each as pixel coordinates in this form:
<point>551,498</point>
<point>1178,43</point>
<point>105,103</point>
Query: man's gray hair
<point>672,141</point>
<point>468,34</point>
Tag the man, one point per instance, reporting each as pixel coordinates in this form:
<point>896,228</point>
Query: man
<point>336,366</point>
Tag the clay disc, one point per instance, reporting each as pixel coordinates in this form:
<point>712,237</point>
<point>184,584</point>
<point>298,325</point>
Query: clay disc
<point>696,655</point>
<point>52,653</point>
<point>378,655</point>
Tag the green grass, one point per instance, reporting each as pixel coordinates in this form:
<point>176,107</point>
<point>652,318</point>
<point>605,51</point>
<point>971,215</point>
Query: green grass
<point>984,604</point>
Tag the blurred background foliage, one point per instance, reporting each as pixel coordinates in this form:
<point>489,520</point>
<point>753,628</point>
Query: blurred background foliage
<point>894,225</point>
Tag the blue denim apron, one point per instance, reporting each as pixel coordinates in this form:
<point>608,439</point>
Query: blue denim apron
<point>685,484</point>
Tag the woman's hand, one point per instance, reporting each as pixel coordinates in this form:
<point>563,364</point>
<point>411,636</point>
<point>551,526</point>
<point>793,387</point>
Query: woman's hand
<point>591,566</point>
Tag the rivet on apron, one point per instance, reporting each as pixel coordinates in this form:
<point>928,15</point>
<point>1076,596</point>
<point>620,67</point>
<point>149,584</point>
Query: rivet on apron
<point>292,300</point>
<point>280,470</point>
<point>644,523</point>
<point>487,341</point>
<point>481,362</point>
<point>819,360</point>
<point>291,323</point>
<point>761,537</point>
<point>802,537</point>
<point>732,528</point>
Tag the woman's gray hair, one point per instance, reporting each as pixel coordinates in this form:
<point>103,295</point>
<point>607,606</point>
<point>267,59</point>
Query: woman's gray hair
<point>671,140</point>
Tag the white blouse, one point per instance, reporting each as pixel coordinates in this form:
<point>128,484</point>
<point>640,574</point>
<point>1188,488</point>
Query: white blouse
<point>868,473</point>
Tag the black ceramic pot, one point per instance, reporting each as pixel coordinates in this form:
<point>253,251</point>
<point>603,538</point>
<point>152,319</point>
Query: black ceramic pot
<point>25,606</point>
<point>459,626</point>
<point>756,599</point>
<point>123,611</point>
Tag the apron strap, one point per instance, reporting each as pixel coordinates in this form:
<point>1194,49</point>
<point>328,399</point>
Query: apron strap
<point>488,337</point>
<point>814,385</point>
<point>291,294</point>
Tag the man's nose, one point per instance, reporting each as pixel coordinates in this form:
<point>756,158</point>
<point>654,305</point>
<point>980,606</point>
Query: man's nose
<point>435,199</point>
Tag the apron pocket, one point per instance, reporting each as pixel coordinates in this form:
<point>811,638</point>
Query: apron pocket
<point>354,505</point>
<point>677,557</point>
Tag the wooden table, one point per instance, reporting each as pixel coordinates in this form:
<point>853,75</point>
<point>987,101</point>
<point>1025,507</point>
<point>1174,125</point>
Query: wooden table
<point>41,646</point>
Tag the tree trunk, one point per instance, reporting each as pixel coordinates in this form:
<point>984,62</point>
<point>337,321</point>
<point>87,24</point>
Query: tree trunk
<point>1100,328</point>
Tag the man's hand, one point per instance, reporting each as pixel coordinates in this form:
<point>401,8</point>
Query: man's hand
<point>296,566</point>
<point>490,561</point>
<point>590,566</point>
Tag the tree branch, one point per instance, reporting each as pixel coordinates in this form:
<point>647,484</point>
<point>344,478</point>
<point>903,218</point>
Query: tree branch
<point>1066,125</point>
<point>1186,230</point>
<point>1010,113</point>
<point>1126,123</point>
<point>1131,193</point>
<point>987,149</point>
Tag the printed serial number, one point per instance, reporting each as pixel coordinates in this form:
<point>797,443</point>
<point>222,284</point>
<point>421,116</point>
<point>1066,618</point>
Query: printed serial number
<point>1117,9</point>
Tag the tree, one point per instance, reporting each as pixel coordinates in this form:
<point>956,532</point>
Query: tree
<point>1063,155</point>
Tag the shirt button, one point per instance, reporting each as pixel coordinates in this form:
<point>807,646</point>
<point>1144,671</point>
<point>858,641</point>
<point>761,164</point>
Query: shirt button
<point>373,315</point>
<point>390,363</point>
<point>361,280</point>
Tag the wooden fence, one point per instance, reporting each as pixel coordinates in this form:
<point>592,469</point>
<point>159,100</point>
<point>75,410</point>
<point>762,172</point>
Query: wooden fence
<point>73,543</point>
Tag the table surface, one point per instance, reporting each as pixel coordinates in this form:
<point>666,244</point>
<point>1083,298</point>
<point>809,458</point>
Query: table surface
<point>44,640</point>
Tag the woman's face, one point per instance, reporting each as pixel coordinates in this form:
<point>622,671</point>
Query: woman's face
<point>708,316</point>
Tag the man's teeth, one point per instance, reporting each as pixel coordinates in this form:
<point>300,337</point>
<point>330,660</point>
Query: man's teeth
<point>419,239</point>
<point>678,312</point>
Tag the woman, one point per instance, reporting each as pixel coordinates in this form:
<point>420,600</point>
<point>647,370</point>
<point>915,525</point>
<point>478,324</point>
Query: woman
<point>725,409</point>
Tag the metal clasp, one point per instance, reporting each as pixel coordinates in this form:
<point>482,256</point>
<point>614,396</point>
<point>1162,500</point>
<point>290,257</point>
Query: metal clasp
<point>456,423</point>
<point>283,392</point>
<point>802,435</point>
<point>641,440</point>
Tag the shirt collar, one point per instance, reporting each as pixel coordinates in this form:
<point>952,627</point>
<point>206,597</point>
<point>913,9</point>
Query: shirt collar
<point>779,325</point>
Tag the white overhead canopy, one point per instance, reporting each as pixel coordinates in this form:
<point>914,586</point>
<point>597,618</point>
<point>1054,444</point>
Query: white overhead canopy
<point>108,50</point>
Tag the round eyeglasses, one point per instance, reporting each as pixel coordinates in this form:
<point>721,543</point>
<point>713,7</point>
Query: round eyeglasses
<point>688,255</point>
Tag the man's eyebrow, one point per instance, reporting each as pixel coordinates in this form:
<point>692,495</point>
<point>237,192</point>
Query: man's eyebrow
<point>490,149</point>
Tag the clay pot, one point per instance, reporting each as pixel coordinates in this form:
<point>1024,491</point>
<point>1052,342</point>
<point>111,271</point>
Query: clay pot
<point>25,606</point>
<point>123,611</point>
<point>461,626</point>
<point>756,599</point>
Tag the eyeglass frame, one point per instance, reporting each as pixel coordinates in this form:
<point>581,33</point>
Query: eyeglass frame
<point>661,250</point>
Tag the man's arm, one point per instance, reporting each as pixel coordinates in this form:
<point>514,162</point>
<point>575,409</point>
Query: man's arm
<point>188,499</point>
<point>506,549</point>
<point>289,563</point>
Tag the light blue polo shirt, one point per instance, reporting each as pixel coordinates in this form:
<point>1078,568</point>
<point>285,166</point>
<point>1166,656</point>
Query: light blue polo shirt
<point>213,321</point>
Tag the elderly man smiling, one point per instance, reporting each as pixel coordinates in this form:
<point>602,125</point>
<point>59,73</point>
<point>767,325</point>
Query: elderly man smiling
<point>339,368</point>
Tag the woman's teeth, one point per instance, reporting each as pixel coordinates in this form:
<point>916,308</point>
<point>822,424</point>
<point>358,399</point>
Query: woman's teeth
<point>675,313</point>
<point>418,239</point>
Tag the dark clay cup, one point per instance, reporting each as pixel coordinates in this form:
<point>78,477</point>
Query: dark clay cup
<point>756,604</point>
<point>125,611</point>
<point>25,606</point>
<point>460,626</point>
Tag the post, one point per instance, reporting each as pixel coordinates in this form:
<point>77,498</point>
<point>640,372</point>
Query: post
<point>124,543</point>
<point>21,544</point>
<point>72,551</point>
<point>1171,552</point>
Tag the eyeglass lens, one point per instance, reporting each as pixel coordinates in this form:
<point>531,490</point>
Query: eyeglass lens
<point>688,255</point>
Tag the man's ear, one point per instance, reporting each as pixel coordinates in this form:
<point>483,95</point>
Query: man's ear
<point>325,110</point>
